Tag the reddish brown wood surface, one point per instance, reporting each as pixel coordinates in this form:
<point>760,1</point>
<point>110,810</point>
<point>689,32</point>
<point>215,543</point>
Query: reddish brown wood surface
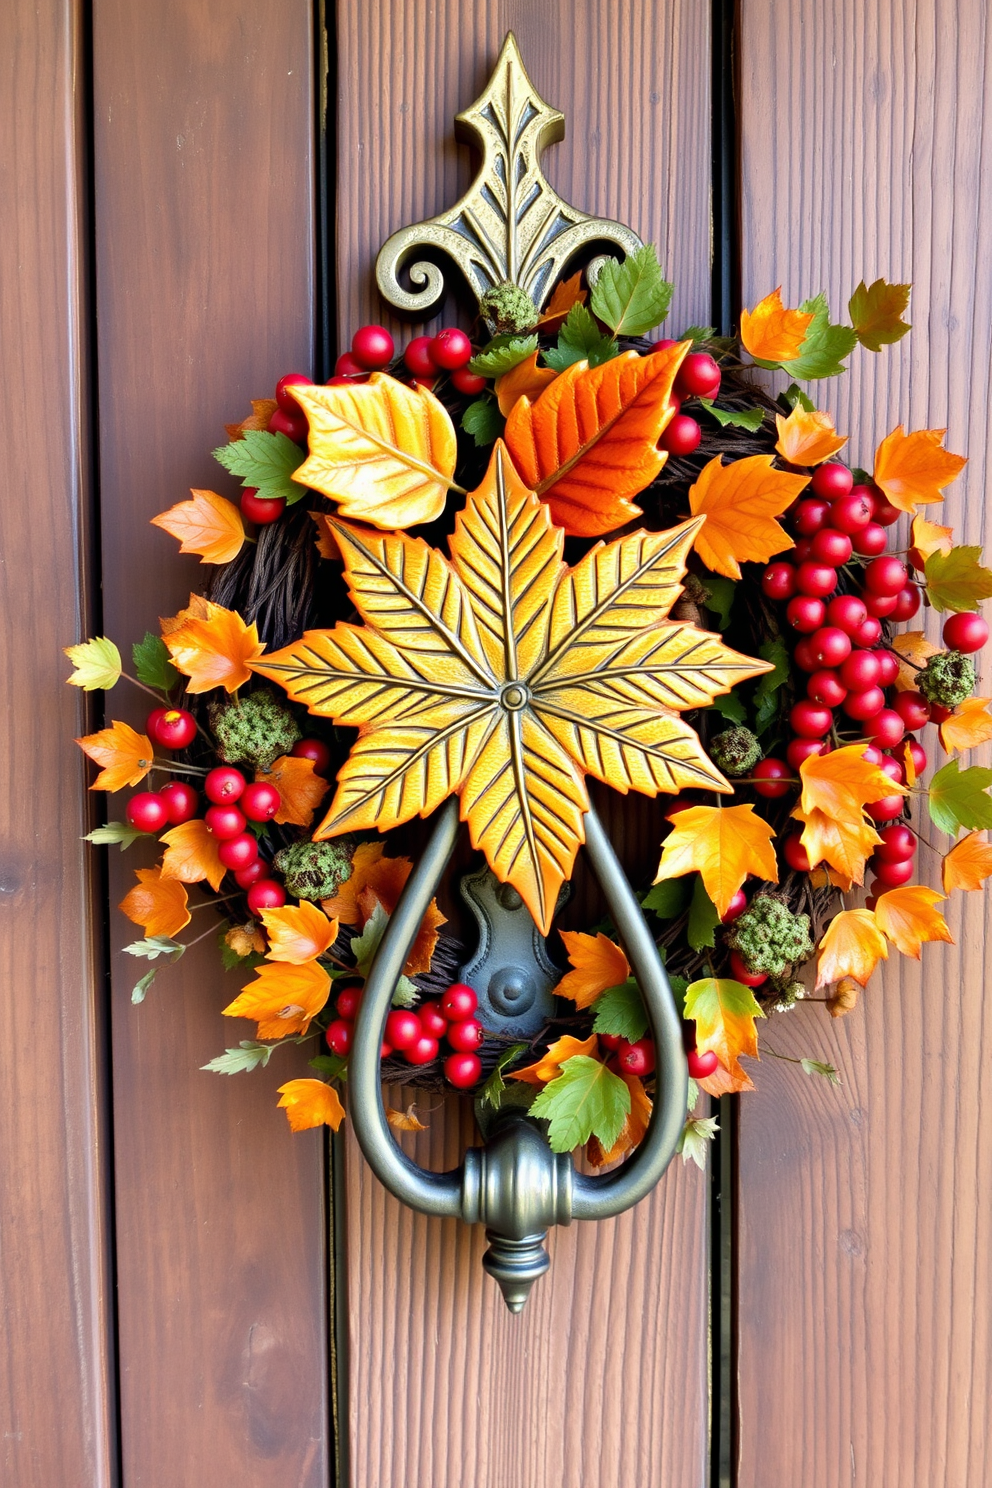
<point>204,122</point>
<point>56,1384</point>
<point>602,1379</point>
<point>865,1332</point>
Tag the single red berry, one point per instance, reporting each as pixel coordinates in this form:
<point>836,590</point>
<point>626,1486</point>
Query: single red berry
<point>698,376</point>
<point>425,382</point>
<point>224,785</point>
<point>824,686</point>
<point>349,1000</point>
<point>810,720</point>
<point>851,514</point>
<point>422,1050</point>
<point>469,383</point>
<point>770,773</point>
<point>778,581</point>
<point>463,1070</point>
<point>147,811</point>
<point>894,875</point>
<point>152,722</point>
<point>225,822</point>
<point>736,907</point>
<point>847,612</point>
<point>868,633</point>
<point>236,852</point>
<point>830,645</point>
<point>181,802</point>
<point>888,668</point>
<point>284,397</point>
<point>884,513</point>
<point>254,873</point>
<point>864,703</point>
<point>913,709</point>
<point>939,714</point>
<point>385,1050</point>
<point>675,805</point>
<point>266,894</point>
<point>803,655</point>
<point>175,729</point>
<point>801,551</point>
<point>701,1065</point>
<point>451,349</point>
<point>637,1058</point>
<point>816,578</point>
<point>831,547</point>
<point>805,612</point>
<point>339,1036</point>
<point>611,1041</point>
<point>432,1020</point>
<point>261,509</point>
<point>467,1036</point>
<point>341,382</point>
<point>832,480</point>
<point>880,605</point>
<point>860,670</point>
<point>682,435</point>
<point>886,575</point>
<point>419,358</point>
<point>459,1002</point>
<point>347,366</point>
<point>260,801</point>
<point>810,516</point>
<point>897,844</point>
<point>295,427</point>
<point>795,854</point>
<point>372,347</point>
<point>887,809</point>
<point>891,767</point>
<point>918,754</point>
<point>907,603</point>
<point>798,750</point>
<point>965,632</point>
<point>740,973</point>
<point>315,750</point>
<point>870,541</point>
<point>886,727</point>
<point>402,1028</point>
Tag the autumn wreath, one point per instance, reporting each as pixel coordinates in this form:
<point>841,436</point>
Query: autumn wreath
<point>771,700</point>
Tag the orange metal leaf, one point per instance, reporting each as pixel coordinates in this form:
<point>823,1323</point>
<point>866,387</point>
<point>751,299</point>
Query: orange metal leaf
<point>156,904</point>
<point>526,379</point>
<point>913,469</point>
<point>969,725</point>
<point>723,844</point>
<point>209,525</point>
<point>214,651</point>
<point>300,787</point>
<point>807,438</point>
<point>968,864</point>
<point>740,502</point>
<point>311,1103</point>
<point>597,963</point>
<point>298,933</point>
<point>549,1065</point>
<point>852,946</point>
<point>191,854</point>
<point>907,916</point>
<point>771,333</point>
<point>126,756</point>
<point>283,998</point>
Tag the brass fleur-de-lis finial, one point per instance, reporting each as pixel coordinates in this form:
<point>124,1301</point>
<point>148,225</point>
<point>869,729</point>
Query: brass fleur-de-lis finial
<point>510,226</point>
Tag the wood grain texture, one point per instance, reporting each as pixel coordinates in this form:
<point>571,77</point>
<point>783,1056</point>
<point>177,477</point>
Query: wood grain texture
<point>865,1224</point>
<point>204,120</point>
<point>445,1386</point>
<point>55,1294</point>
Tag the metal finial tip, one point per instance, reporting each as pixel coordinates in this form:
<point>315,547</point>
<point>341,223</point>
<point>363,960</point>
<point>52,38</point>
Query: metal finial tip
<point>515,1265</point>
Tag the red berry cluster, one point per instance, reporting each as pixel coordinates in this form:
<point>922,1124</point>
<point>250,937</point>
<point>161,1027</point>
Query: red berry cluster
<point>698,377</point>
<point>416,1034</point>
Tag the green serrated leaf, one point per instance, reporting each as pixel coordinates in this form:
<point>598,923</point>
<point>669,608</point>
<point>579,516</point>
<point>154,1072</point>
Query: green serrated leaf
<point>814,1066</point>
<point>958,798</point>
<point>876,312</point>
<point>703,918</point>
<point>680,987</point>
<point>584,1100</point>
<point>97,664</point>
<point>120,832</point>
<point>152,663</point>
<point>824,346</point>
<point>406,994</point>
<point>154,946</point>
<point>265,461</point>
<point>580,340</point>
<point>696,1136</point>
<point>667,898</point>
<point>956,580</point>
<point>722,593</point>
<point>730,707</point>
<point>364,947</point>
<point>696,334</point>
<point>140,990</point>
<point>632,297</point>
<point>502,354</point>
<point>751,418</point>
<point>793,397</point>
<point>766,702</point>
<point>331,1065</point>
<point>483,420</point>
<point>248,1056</point>
<point>493,1089</point>
<point>620,1011</point>
<point>693,1096</point>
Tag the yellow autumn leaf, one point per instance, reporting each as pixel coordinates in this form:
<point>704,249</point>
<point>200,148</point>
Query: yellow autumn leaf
<point>209,525</point>
<point>97,664</point>
<point>214,651</point>
<point>772,333</point>
<point>309,1103</point>
<point>633,1130</point>
<point>597,963</point>
<point>911,646</point>
<point>191,854</point>
<point>156,904</point>
<point>740,502</point>
<point>283,998</point>
<point>549,1065</point>
<point>807,438</point>
<point>852,946</point>
<point>969,725</point>
<point>927,538</point>
<point>907,916</point>
<point>724,1012</point>
<point>383,451</point>
<point>568,293</point>
<point>526,379</point>
<point>842,782</point>
<point>913,469</point>
<point>300,787</point>
<point>245,940</point>
<point>723,844</point>
<point>197,609</point>
<point>844,844</point>
<point>125,756</point>
<point>298,933</point>
<point>967,865</point>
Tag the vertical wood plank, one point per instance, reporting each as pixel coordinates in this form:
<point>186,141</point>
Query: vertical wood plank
<point>204,123</point>
<point>602,1378</point>
<point>55,1296</point>
<point>865,1334</point>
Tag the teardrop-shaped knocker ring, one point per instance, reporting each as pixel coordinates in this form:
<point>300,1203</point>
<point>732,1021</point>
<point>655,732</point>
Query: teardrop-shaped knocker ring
<point>515,1185</point>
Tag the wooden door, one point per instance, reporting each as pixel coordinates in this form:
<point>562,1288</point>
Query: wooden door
<point>199,1294</point>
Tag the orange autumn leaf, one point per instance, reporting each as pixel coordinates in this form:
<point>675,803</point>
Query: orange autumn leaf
<point>282,999</point>
<point>807,438</point>
<point>298,933</point>
<point>325,541</point>
<point>913,469</point>
<point>568,293</point>
<point>597,964</point>
<point>262,410</point>
<point>590,441</point>
<point>526,379</point>
<point>191,854</point>
<point>970,724</point>
<point>845,846</point>
<point>197,609</point>
<point>310,1103</point>
<point>723,844</point>
<point>300,787</point>
<point>740,502</point>
<point>967,865</point>
<point>927,538</point>
<point>215,651</point>
<point>724,1013</point>
<point>244,940</point>
<point>907,916</point>
<point>549,1065</point>
<point>909,763</point>
<point>841,783</point>
<point>852,946</point>
<point>376,879</point>
<point>126,756</point>
<point>634,1127</point>
<point>404,1120</point>
<point>913,647</point>
<point>156,903</point>
<point>209,525</point>
<point>772,333</point>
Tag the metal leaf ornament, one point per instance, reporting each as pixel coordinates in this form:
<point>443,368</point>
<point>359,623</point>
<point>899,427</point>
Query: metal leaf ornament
<point>504,675</point>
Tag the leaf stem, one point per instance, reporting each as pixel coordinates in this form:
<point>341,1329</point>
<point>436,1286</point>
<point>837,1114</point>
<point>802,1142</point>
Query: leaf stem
<point>160,697</point>
<point>173,769</point>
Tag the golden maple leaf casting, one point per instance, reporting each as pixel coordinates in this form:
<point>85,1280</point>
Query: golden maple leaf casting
<point>507,676</point>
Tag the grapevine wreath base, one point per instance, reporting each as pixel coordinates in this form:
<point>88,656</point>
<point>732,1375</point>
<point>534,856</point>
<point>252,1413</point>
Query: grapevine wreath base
<point>756,670</point>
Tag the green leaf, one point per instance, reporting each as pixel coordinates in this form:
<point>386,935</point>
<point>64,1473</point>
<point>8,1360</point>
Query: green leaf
<point>620,1011</point>
<point>483,420</point>
<point>502,354</point>
<point>248,1056</point>
<point>406,994</point>
<point>814,1066</point>
<point>97,663</point>
<point>875,313</point>
<point>152,663</point>
<point>957,798</point>
<point>794,396</point>
<point>722,593</point>
<point>668,898</point>
<point>693,1096</point>
<point>364,947</point>
<point>584,1100</point>
<point>713,998</point>
<point>265,461</point>
<point>680,987</point>
<point>766,701</point>
<point>121,832</point>
<point>956,580</point>
<point>495,1085</point>
<point>697,334</point>
<point>703,918</point>
<point>825,344</point>
<point>631,297</point>
<point>580,340</point>
<point>696,1136</point>
<point>154,946</point>
<point>751,418</point>
<point>140,990</point>
<point>729,706</point>
<point>331,1065</point>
